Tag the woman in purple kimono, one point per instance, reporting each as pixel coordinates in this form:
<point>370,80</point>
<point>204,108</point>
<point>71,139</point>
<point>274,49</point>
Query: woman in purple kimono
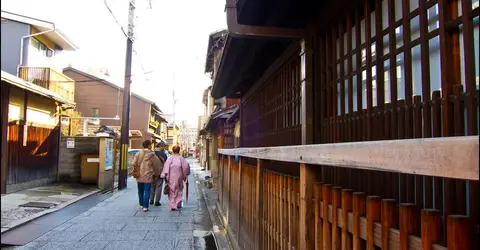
<point>175,172</point>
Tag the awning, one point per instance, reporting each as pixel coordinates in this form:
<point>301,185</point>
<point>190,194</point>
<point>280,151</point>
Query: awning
<point>135,135</point>
<point>18,82</point>
<point>154,135</point>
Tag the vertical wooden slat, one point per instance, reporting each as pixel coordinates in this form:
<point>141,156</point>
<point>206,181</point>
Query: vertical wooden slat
<point>336,203</point>
<point>318,220</point>
<point>373,215</point>
<point>469,67</point>
<point>407,223</point>
<point>290,213</point>
<point>239,205</point>
<point>307,184</point>
<point>327,231</point>
<point>449,66</point>
<point>459,231</point>
<point>358,211</point>
<point>350,79</point>
<point>229,203</point>
<point>380,79</point>
<point>393,64</point>
<point>307,123</point>
<point>358,40</point>
<point>259,203</point>
<point>368,49</point>
<point>389,220</point>
<point>425,65</point>
<point>346,208</point>
<point>431,223</point>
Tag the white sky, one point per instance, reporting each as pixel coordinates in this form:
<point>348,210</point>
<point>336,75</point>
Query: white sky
<point>171,43</point>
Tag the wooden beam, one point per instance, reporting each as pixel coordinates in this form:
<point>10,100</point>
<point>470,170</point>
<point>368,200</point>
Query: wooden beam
<point>451,157</point>
<point>307,185</point>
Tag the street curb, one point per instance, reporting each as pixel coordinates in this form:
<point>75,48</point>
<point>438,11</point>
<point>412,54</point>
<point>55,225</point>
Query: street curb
<point>48,211</point>
<point>212,216</point>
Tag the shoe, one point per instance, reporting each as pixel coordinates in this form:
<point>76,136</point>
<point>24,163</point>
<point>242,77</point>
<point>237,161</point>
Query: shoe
<point>173,209</point>
<point>145,209</point>
<point>151,202</point>
<point>157,204</point>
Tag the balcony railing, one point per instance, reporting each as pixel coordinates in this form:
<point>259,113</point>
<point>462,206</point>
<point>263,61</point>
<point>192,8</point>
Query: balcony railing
<point>49,79</point>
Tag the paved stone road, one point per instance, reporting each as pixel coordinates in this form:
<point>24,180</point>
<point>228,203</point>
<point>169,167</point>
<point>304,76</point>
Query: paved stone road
<point>118,223</point>
<point>60,195</point>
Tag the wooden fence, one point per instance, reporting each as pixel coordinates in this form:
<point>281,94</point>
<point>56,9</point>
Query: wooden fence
<point>336,201</point>
<point>35,160</point>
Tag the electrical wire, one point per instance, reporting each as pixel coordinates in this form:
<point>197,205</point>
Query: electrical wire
<point>125,33</point>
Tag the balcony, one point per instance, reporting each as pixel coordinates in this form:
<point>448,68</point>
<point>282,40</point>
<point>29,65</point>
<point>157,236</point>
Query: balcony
<point>49,79</point>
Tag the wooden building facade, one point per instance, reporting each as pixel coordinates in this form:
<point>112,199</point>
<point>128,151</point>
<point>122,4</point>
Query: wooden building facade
<point>359,124</point>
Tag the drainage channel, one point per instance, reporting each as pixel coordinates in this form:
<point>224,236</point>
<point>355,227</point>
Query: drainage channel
<point>203,237</point>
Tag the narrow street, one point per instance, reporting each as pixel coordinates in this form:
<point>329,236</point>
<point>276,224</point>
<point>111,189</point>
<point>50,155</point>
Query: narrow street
<point>118,223</point>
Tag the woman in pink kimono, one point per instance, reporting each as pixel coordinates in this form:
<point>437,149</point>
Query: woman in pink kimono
<point>175,172</point>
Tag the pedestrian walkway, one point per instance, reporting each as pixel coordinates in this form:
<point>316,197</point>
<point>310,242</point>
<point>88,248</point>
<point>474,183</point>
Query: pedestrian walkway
<point>52,198</point>
<point>119,223</point>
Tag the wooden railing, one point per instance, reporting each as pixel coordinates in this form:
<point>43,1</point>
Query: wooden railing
<point>333,196</point>
<point>49,79</point>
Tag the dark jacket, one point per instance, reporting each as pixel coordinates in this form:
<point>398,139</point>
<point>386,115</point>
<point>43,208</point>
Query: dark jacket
<point>161,153</point>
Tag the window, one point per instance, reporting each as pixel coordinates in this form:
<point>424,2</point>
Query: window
<point>95,112</point>
<point>42,48</point>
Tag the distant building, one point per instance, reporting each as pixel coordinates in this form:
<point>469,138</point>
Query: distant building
<point>97,97</point>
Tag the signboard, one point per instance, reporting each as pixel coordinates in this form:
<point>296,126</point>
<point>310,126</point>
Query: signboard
<point>70,143</point>
<point>93,160</point>
<point>108,153</point>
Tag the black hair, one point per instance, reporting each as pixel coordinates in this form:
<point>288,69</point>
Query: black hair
<point>146,143</point>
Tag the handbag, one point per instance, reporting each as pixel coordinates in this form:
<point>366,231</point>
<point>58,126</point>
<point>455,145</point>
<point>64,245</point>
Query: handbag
<point>166,189</point>
<point>136,172</point>
<point>136,167</point>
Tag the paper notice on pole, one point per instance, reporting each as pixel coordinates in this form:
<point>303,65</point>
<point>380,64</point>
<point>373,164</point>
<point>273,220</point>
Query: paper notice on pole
<point>70,143</point>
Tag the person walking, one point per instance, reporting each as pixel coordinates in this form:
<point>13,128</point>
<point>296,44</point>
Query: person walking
<point>157,184</point>
<point>175,172</point>
<point>148,166</point>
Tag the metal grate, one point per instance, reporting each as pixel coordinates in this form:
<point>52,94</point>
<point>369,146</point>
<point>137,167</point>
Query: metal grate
<point>39,204</point>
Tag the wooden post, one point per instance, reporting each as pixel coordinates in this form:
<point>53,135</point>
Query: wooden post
<point>389,220</point>
<point>307,184</point>
<point>358,211</point>
<point>259,202</point>
<point>373,215</point>
<point>459,232</point>
<point>431,226</point>
<point>5,95</point>
<point>307,100</point>
<point>408,223</point>
<point>346,208</point>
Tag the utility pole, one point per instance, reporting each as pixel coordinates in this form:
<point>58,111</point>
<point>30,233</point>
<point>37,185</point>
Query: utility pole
<point>124,139</point>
